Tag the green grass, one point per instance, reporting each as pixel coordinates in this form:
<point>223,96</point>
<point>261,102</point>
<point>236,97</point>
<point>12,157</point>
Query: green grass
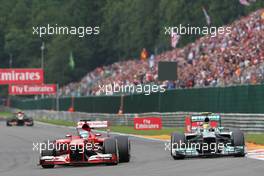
<point>120,129</point>
<point>131,130</point>
<point>5,114</point>
<point>255,138</point>
<point>58,122</point>
<point>250,137</point>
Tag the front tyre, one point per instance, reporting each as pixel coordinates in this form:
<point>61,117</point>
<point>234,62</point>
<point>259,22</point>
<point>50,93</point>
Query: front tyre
<point>110,147</point>
<point>239,141</point>
<point>48,151</point>
<point>50,166</point>
<point>123,148</point>
<point>30,121</point>
<point>176,140</point>
<point>8,123</point>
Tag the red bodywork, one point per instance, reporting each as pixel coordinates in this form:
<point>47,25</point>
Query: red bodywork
<point>91,152</point>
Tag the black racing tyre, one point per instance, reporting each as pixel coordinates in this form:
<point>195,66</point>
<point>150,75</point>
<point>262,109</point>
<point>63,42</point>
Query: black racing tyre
<point>8,123</point>
<point>123,144</point>
<point>31,122</point>
<point>176,140</point>
<point>48,152</point>
<point>49,166</point>
<point>239,140</point>
<point>110,147</point>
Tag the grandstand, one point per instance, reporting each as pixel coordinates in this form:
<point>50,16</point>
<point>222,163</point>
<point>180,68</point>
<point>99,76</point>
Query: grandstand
<point>230,59</point>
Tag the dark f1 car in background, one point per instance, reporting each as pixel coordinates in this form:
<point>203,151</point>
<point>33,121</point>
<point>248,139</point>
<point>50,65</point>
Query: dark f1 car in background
<point>86,148</point>
<point>204,136</point>
<point>19,119</point>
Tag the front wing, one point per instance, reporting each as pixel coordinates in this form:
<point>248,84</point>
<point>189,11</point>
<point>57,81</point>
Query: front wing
<point>65,160</point>
<point>20,122</point>
<point>228,151</point>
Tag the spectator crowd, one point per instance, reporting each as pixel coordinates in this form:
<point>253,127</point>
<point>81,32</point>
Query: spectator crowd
<point>235,58</point>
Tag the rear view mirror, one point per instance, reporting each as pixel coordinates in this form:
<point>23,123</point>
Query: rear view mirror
<point>98,134</point>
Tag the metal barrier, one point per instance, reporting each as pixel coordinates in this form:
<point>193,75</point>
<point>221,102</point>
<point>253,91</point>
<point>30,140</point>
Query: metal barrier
<point>236,99</point>
<point>245,122</point>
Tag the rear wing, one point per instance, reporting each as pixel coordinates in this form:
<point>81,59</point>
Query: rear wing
<point>196,121</point>
<point>93,124</point>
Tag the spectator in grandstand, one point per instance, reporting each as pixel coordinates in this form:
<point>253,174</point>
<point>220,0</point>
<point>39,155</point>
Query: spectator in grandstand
<point>144,54</point>
<point>228,59</point>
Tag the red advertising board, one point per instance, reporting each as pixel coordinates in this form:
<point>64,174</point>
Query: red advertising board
<point>147,123</point>
<point>21,76</point>
<point>188,124</point>
<point>32,89</point>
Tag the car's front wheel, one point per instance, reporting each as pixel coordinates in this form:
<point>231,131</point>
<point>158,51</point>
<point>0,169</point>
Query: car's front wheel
<point>123,148</point>
<point>176,140</point>
<point>110,147</point>
<point>48,151</point>
<point>239,141</point>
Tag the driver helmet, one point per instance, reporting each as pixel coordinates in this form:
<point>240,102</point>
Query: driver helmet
<point>83,133</point>
<point>206,123</point>
<point>20,115</point>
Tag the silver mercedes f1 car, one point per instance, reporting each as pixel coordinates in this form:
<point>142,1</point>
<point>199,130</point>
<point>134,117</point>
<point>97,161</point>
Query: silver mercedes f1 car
<point>204,136</point>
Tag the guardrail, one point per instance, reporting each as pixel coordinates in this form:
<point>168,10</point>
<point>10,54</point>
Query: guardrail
<point>245,122</point>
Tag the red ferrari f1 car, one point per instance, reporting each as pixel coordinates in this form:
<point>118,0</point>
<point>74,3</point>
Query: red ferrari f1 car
<point>86,148</point>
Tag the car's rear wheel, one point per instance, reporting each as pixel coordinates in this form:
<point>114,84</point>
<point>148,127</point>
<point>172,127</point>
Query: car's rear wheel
<point>31,122</point>
<point>110,147</point>
<point>176,140</point>
<point>8,123</point>
<point>239,141</point>
<point>123,148</point>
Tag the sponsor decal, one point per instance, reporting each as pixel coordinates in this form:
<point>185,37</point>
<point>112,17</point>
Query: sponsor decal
<point>32,89</point>
<point>188,124</point>
<point>21,76</point>
<point>147,123</point>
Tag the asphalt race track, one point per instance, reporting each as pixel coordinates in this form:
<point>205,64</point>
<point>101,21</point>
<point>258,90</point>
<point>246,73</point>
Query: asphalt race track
<point>149,158</point>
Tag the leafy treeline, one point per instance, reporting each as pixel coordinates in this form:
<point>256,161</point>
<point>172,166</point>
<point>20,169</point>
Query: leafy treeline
<point>126,26</point>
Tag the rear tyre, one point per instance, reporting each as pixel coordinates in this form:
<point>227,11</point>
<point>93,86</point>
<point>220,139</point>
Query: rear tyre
<point>31,122</point>
<point>176,140</point>
<point>123,148</point>
<point>49,151</point>
<point>110,147</point>
<point>8,123</point>
<point>238,141</point>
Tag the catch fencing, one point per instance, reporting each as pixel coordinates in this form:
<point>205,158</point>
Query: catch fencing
<point>238,99</point>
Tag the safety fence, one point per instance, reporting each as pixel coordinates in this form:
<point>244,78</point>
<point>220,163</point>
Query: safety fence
<point>245,122</point>
<point>237,99</point>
